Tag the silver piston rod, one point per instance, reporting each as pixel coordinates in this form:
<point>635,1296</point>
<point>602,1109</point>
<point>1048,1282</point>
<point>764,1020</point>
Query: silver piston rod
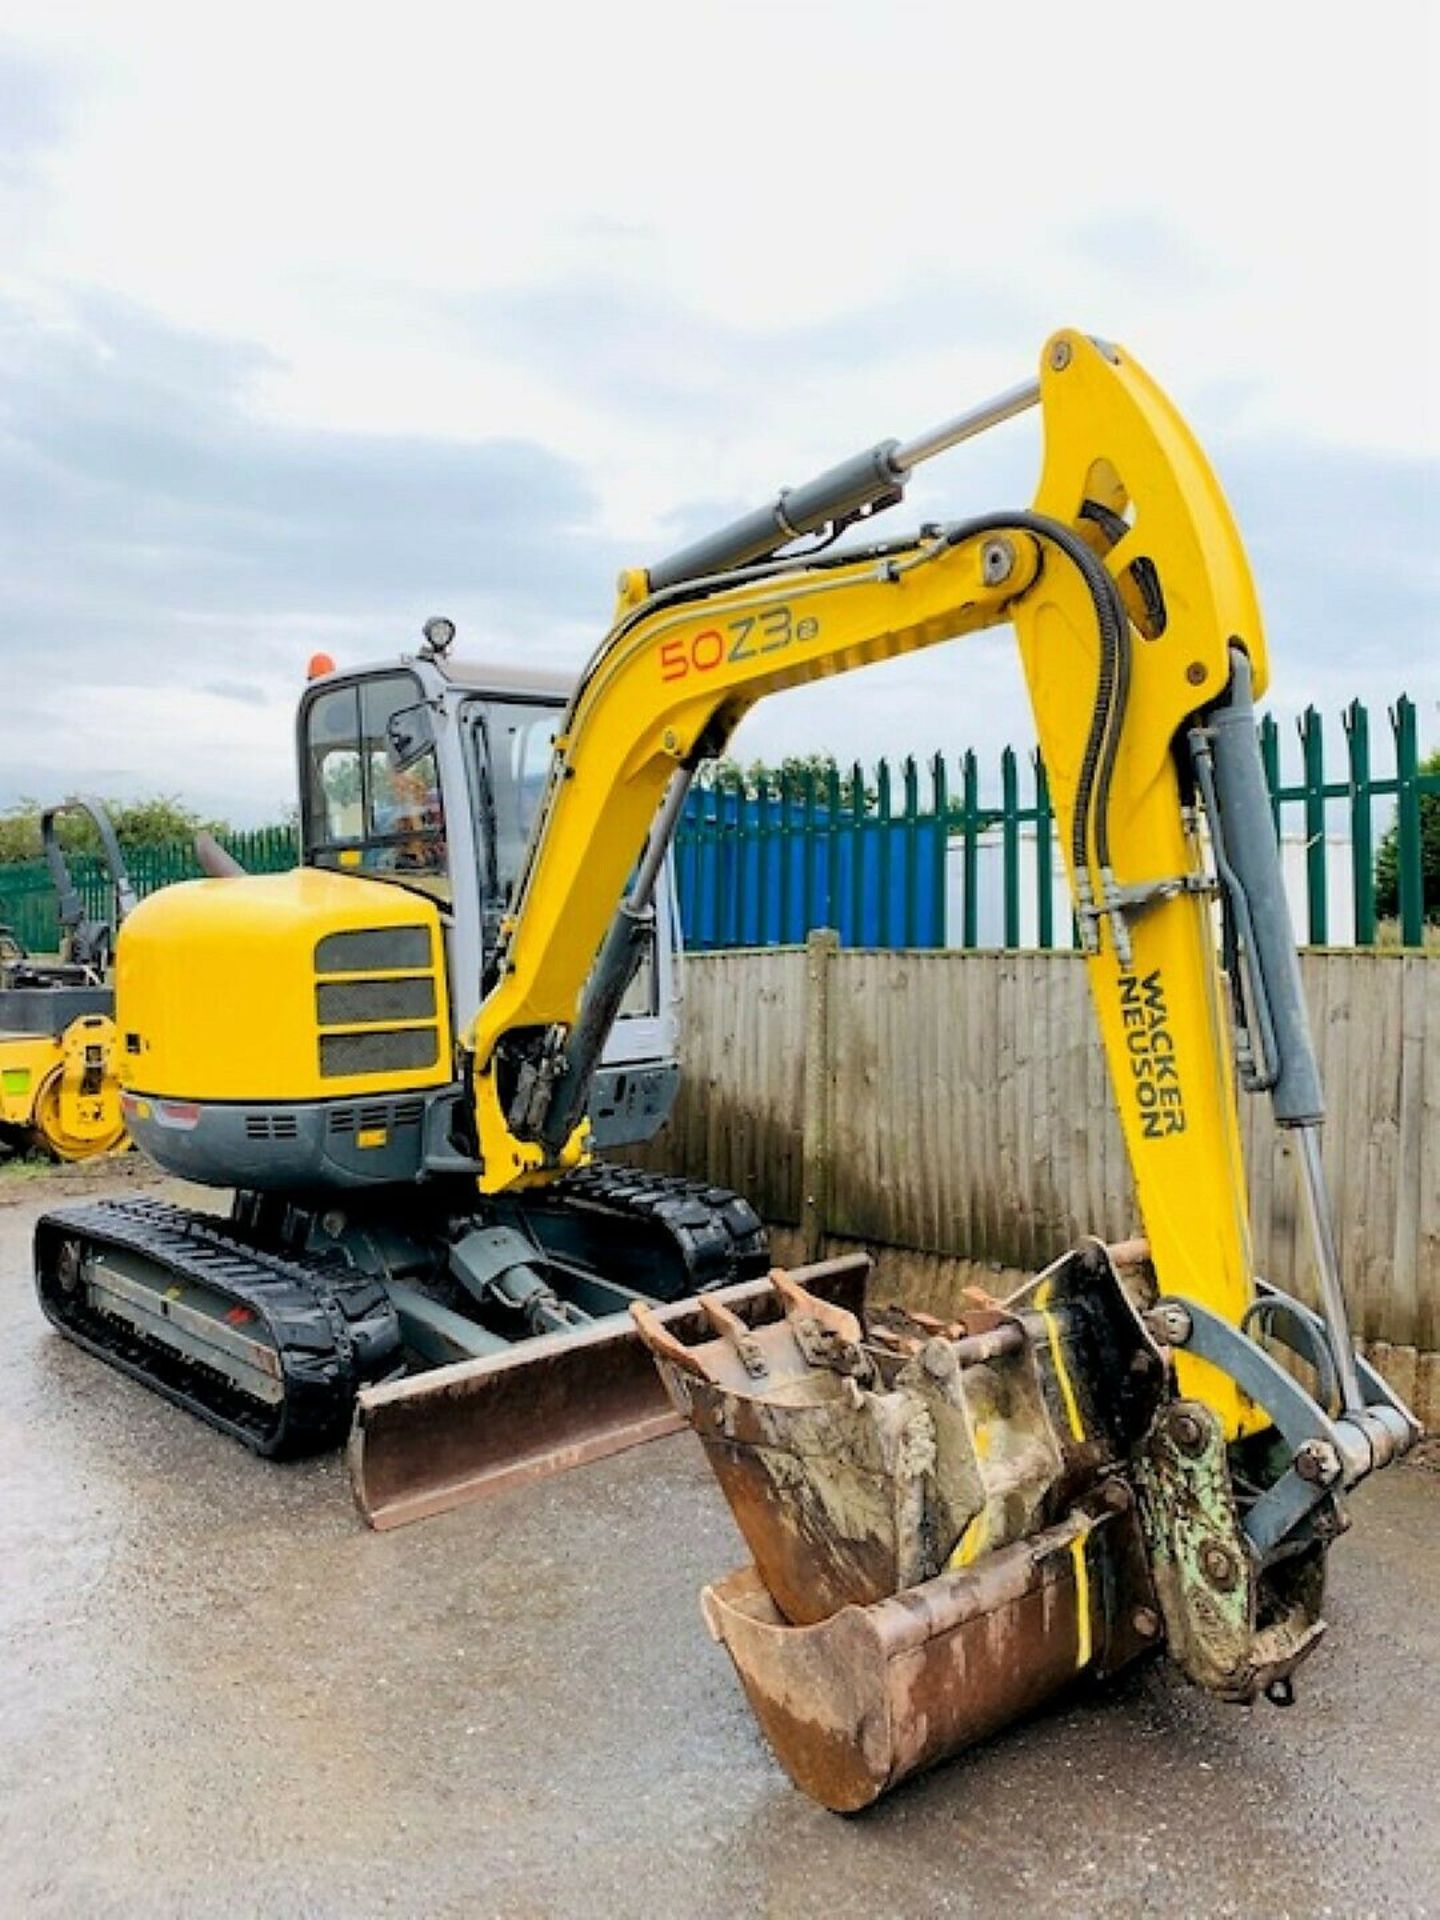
<point>857,487</point>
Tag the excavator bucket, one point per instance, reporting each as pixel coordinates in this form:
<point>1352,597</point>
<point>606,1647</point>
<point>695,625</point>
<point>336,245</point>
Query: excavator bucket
<point>856,1703</point>
<point>940,1531</point>
<point>462,1433</point>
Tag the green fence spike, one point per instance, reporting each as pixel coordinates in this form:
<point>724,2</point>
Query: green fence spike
<point>970,826</point>
<point>807,854</point>
<point>940,842</point>
<point>833,916</point>
<point>1356,721</point>
<point>857,856</point>
<point>883,851</point>
<point>1044,857</point>
<point>1010,843</point>
<point>1312,744</point>
<point>1270,758</point>
<point>786,888</point>
<point>912,852</point>
<point>1410,841</point>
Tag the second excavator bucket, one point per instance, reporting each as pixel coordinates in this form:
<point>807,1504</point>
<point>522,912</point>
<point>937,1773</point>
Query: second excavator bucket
<point>856,1703</point>
<point>462,1433</point>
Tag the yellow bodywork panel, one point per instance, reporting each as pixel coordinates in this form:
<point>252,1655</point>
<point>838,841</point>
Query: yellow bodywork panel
<point>61,1089</point>
<point>253,989</point>
<point>685,670</point>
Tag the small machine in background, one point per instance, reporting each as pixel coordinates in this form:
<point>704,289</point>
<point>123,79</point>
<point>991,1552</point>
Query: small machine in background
<point>57,1031</point>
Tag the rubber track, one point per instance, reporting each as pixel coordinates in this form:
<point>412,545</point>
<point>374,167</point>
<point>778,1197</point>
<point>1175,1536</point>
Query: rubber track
<point>717,1235</point>
<point>334,1330</point>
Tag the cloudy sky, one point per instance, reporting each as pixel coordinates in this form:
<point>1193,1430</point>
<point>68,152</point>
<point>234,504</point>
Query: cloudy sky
<point>317,320</point>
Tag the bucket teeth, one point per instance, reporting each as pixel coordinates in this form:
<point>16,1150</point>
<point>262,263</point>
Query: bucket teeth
<point>658,1338</point>
<point>731,1328</point>
<point>828,1336</point>
<point>813,1333</point>
<point>797,1300</point>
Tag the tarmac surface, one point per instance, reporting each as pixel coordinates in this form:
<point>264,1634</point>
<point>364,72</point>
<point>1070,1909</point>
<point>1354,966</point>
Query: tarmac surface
<point>219,1695</point>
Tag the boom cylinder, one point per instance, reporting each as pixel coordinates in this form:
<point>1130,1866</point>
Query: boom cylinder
<point>856,486</point>
<point>860,485</point>
<point>1250,849</point>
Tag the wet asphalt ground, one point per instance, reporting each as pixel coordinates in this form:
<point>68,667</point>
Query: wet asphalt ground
<point>219,1695</point>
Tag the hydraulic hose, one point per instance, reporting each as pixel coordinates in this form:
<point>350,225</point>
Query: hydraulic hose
<point>1112,691</point>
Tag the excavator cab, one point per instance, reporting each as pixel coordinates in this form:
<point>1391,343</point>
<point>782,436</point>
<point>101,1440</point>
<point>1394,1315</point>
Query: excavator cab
<point>428,774</point>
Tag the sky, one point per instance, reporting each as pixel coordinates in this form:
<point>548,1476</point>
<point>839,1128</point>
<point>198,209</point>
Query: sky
<point>320,320</point>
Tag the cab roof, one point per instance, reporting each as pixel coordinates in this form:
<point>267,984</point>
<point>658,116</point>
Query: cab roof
<point>471,676</point>
<point>490,676</point>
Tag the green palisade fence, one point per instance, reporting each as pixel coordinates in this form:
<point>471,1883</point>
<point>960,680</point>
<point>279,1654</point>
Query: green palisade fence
<point>27,898</point>
<point>963,855</point>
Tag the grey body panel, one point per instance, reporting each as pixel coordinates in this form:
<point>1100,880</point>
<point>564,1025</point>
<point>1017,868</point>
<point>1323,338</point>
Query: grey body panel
<point>297,1146</point>
<point>286,1147</point>
<point>631,1104</point>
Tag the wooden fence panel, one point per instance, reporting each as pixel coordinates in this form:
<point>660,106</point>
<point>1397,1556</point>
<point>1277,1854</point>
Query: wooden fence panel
<point>970,1112</point>
<point>739,1115</point>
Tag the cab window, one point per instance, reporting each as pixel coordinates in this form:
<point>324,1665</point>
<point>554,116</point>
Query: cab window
<point>511,745</point>
<point>366,814</point>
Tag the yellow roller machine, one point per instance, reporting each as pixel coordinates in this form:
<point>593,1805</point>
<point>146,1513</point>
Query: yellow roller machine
<point>58,1091</point>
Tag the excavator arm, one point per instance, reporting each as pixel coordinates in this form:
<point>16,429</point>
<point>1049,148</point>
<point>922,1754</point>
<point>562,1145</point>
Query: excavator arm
<point>1124,1454</point>
<point>1127,586</point>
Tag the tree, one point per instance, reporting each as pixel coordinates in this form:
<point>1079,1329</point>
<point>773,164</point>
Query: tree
<point>763,777</point>
<point>156,822</point>
<point>1387,858</point>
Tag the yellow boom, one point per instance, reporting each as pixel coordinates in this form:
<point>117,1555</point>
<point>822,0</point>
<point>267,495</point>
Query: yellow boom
<point>680,669</point>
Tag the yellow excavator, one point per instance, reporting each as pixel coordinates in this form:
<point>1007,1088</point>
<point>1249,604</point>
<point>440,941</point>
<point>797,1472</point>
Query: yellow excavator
<point>398,1058</point>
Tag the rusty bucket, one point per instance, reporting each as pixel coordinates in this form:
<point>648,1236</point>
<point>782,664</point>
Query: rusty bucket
<point>854,1704</point>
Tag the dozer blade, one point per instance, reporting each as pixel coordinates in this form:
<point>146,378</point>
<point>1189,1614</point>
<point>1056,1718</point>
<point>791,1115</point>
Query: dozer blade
<point>462,1433</point>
